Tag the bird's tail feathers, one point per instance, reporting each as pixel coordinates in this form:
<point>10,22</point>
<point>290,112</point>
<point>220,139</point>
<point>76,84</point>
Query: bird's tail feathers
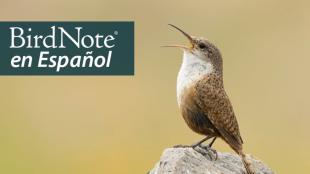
<point>246,163</point>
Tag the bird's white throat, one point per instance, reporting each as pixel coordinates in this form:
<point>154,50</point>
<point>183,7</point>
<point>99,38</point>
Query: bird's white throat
<point>192,69</point>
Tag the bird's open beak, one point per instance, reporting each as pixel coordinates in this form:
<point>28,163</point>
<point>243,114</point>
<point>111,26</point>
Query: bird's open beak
<point>191,40</point>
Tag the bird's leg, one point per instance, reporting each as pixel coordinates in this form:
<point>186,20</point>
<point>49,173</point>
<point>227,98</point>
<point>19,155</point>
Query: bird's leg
<point>195,144</point>
<point>200,142</point>
<point>211,143</point>
<point>213,150</point>
<point>206,148</point>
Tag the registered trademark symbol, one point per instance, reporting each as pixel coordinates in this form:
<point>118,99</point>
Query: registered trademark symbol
<point>116,32</point>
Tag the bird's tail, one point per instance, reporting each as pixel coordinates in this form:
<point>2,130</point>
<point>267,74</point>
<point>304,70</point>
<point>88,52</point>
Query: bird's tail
<point>246,163</point>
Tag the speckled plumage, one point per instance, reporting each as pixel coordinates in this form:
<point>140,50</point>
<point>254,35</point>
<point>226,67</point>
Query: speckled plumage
<point>201,96</point>
<point>207,110</point>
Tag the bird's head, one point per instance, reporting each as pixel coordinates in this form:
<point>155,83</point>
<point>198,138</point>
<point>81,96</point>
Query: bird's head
<point>200,48</point>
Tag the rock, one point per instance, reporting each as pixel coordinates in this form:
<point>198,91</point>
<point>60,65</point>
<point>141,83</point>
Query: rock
<point>202,161</point>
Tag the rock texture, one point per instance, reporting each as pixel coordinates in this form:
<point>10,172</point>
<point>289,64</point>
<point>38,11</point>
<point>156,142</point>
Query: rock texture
<point>202,161</point>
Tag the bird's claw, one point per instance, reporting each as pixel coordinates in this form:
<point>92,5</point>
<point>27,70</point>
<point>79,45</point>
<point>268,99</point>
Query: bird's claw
<point>208,151</point>
<point>204,150</point>
<point>214,152</point>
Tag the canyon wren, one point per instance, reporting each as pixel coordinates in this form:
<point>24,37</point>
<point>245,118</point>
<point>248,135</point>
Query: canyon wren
<point>201,96</point>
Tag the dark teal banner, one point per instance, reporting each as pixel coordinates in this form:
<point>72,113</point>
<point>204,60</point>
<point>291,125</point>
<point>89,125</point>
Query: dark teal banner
<point>66,48</point>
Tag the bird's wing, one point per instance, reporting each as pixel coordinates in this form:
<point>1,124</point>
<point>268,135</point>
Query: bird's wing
<point>214,102</point>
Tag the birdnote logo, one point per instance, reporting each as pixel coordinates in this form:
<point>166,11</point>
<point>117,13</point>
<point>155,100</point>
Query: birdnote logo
<point>19,39</point>
<point>67,48</point>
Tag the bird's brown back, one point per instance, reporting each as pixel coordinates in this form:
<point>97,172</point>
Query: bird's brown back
<point>210,96</point>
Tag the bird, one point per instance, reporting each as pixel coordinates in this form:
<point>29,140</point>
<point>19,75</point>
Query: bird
<point>201,97</point>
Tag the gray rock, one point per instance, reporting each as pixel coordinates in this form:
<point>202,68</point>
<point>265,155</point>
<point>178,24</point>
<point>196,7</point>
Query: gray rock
<point>202,161</point>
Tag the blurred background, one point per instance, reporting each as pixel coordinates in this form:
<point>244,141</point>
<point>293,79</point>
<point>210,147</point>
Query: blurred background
<point>95,125</point>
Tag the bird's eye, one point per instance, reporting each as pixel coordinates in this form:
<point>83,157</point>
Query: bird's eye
<point>202,46</point>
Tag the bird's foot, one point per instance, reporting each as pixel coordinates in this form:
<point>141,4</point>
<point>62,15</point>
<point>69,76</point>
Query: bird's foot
<point>208,151</point>
<point>203,150</point>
